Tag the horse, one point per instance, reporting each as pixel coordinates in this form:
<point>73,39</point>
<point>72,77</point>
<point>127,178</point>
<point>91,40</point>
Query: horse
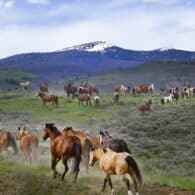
<point>85,143</point>
<point>167,99</point>
<point>112,163</point>
<point>28,144</point>
<point>48,98</point>
<point>44,88</point>
<point>96,101</point>
<point>146,106</point>
<point>151,88</point>
<point>123,89</point>
<point>7,140</point>
<point>83,98</point>
<point>70,89</point>
<point>116,97</point>
<point>93,89</point>
<point>84,90</point>
<point>25,85</point>
<point>63,148</point>
<point>117,145</point>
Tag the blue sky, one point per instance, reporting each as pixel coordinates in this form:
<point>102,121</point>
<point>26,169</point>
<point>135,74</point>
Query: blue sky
<point>47,25</point>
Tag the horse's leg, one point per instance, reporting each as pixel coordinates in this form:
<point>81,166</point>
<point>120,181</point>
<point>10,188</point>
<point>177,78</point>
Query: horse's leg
<point>76,167</point>
<point>133,176</point>
<point>54,162</point>
<point>110,184</point>
<point>65,168</point>
<point>104,185</point>
<point>126,181</point>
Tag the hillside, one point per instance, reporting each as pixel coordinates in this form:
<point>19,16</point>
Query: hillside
<point>159,73</point>
<point>90,58</point>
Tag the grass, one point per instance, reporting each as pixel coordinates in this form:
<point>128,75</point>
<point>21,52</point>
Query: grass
<point>162,141</point>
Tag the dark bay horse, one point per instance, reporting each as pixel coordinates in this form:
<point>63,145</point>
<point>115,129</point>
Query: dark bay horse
<point>48,98</point>
<point>117,145</point>
<point>44,88</point>
<point>63,148</point>
<point>70,89</point>
<point>7,140</point>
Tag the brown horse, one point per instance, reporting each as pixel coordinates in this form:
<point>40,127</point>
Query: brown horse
<point>63,148</point>
<point>112,163</point>
<point>83,98</point>
<point>93,89</point>
<point>146,106</point>
<point>48,98</point>
<point>116,97</point>
<point>85,143</point>
<point>44,88</point>
<point>28,144</point>
<point>7,140</point>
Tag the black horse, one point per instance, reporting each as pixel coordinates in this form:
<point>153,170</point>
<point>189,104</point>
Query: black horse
<point>70,88</point>
<point>117,145</point>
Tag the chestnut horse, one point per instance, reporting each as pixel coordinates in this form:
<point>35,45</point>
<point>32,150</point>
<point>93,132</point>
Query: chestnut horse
<point>117,145</point>
<point>48,98</point>
<point>146,106</point>
<point>63,148</point>
<point>116,97</point>
<point>7,140</point>
<point>83,98</point>
<point>28,144</point>
<point>112,163</point>
<point>93,89</point>
<point>85,143</point>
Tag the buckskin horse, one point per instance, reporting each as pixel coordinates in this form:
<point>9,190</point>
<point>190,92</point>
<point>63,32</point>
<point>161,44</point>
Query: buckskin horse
<point>63,148</point>
<point>112,163</point>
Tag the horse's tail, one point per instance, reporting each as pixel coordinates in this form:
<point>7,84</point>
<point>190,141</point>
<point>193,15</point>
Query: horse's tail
<point>78,152</point>
<point>12,142</point>
<point>131,163</point>
<point>56,101</point>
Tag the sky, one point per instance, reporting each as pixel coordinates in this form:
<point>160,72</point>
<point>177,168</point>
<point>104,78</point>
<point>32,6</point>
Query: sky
<point>49,25</point>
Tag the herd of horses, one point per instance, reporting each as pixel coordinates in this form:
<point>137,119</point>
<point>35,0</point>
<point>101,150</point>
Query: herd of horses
<point>75,149</point>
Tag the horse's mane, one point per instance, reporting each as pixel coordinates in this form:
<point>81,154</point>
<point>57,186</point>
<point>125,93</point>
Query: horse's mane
<point>68,128</point>
<point>52,127</point>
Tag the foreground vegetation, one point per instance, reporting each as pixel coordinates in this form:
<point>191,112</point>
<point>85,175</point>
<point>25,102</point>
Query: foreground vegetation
<point>161,141</point>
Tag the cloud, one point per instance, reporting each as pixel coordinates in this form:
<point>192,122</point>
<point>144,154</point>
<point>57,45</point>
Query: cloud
<point>6,3</point>
<point>38,1</point>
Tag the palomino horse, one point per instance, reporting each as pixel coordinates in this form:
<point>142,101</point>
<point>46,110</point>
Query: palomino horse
<point>28,144</point>
<point>48,98</point>
<point>44,88</point>
<point>25,85</point>
<point>63,148</point>
<point>146,106</point>
<point>83,98</point>
<point>7,140</point>
<point>112,163</point>
<point>96,101</point>
<point>117,145</point>
<point>85,143</point>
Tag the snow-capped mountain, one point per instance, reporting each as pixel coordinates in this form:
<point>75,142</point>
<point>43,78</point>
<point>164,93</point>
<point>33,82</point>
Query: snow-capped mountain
<point>91,47</point>
<point>89,58</point>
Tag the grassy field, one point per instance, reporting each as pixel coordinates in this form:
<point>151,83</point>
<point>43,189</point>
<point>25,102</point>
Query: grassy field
<point>161,141</point>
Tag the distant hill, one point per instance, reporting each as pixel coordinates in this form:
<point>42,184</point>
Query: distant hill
<point>162,74</point>
<point>90,58</point>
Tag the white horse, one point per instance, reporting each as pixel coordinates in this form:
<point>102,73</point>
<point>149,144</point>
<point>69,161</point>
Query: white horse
<point>25,85</point>
<point>167,99</point>
<point>123,89</point>
<point>96,100</point>
<point>151,88</point>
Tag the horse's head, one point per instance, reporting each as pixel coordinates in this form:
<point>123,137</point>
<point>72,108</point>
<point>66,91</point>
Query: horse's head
<point>22,131</point>
<point>46,130</point>
<point>94,155</point>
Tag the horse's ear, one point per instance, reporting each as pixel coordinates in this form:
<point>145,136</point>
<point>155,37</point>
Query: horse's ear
<point>19,128</point>
<point>101,132</point>
<point>104,150</point>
